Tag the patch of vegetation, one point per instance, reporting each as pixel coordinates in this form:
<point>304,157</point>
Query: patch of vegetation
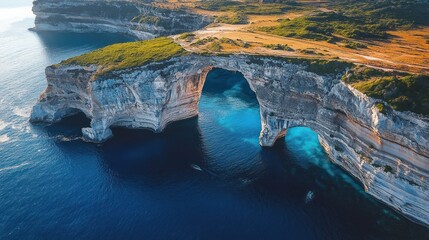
<point>215,46</point>
<point>381,108</point>
<point>317,66</point>
<point>187,36</point>
<point>247,8</point>
<point>388,169</point>
<point>396,13</point>
<point>147,19</point>
<point>355,45</point>
<point>283,47</point>
<point>216,43</point>
<point>323,26</point>
<point>238,42</point>
<point>235,18</point>
<point>403,91</point>
<point>327,67</point>
<point>310,51</point>
<point>128,55</point>
<point>355,19</point>
<point>204,41</point>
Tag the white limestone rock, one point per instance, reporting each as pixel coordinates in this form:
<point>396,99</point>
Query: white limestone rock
<point>119,16</point>
<point>388,153</point>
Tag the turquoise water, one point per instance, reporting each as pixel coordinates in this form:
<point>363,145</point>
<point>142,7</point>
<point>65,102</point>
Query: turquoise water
<point>203,178</point>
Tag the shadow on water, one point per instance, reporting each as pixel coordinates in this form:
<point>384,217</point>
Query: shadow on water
<point>220,81</point>
<point>135,153</point>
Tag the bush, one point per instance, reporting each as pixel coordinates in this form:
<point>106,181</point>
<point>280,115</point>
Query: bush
<point>215,47</point>
<point>186,36</point>
<point>204,41</point>
<point>403,91</point>
<point>388,169</point>
<point>236,18</point>
<point>154,20</point>
<point>381,108</point>
<point>284,47</point>
<point>355,45</point>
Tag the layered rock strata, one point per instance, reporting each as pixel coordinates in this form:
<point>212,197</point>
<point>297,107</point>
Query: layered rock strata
<point>134,18</point>
<point>388,152</point>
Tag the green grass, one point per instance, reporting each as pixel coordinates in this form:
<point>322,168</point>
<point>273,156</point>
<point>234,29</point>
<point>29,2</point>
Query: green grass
<point>204,41</point>
<point>247,8</point>
<point>187,36</point>
<point>235,18</point>
<point>355,45</point>
<point>323,27</point>
<point>128,55</point>
<point>403,92</point>
<point>147,20</point>
<point>388,169</point>
<point>381,107</point>
<point>283,47</point>
<point>238,42</point>
<point>355,19</point>
<point>327,67</point>
<point>214,46</point>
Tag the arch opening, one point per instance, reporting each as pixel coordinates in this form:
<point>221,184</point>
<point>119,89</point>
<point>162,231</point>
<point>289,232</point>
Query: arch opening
<point>228,102</point>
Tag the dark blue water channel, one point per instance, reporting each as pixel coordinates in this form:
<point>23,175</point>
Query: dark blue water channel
<point>203,178</point>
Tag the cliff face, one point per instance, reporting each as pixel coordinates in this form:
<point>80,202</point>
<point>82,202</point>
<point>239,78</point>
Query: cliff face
<point>388,153</point>
<point>133,18</point>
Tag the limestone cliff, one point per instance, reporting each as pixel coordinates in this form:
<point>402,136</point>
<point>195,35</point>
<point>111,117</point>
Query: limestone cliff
<point>388,152</point>
<point>134,18</point>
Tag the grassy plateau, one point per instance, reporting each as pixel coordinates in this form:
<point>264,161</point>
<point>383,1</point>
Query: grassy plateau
<point>128,55</point>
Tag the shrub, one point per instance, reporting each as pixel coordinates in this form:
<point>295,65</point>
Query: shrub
<point>388,169</point>
<point>381,108</point>
<point>215,47</point>
<point>204,41</point>
<point>355,45</point>
<point>147,20</point>
<point>235,18</point>
<point>284,47</point>
<point>186,36</point>
<point>403,91</point>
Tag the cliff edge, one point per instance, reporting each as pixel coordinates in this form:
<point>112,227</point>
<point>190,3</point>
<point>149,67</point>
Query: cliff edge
<point>135,18</point>
<point>387,150</point>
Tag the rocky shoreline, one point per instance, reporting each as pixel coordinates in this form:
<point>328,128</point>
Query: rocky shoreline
<point>137,19</point>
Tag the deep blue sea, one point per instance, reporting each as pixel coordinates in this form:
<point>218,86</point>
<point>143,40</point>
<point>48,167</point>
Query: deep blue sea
<point>203,178</point>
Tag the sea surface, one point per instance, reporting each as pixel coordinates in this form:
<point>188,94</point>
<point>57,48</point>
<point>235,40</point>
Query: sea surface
<point>203,178</point>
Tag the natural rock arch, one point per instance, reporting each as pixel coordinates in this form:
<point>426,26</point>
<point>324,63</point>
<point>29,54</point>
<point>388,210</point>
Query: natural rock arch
<point>387,152</point>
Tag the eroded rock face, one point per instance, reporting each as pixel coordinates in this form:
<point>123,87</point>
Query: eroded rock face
<point>388,153</point>
<point>134,18</point>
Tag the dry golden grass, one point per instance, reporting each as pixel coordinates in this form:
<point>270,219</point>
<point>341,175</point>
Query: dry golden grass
<point>405,51</point>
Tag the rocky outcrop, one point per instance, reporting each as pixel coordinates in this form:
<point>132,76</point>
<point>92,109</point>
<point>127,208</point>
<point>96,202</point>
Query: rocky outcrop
<point>388,152</point>
<point>134,18</point>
